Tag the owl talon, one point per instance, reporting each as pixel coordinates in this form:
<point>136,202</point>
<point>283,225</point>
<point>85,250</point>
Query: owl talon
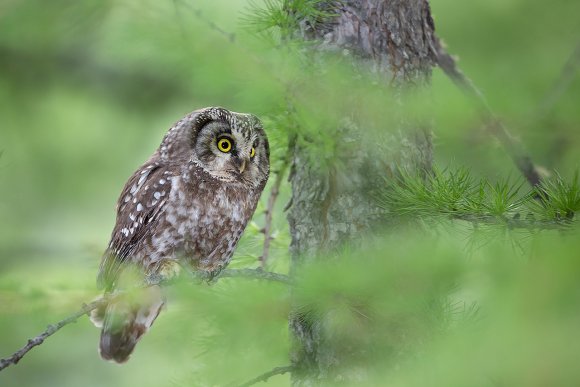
<point>212,277</point>
<point>165,271</point>
<point>170,269</point>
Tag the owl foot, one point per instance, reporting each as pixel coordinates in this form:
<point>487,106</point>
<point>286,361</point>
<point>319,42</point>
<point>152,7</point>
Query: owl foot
<point>164,271</point>
<point>211,276</point>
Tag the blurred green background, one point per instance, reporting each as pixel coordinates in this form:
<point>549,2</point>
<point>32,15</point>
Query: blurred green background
<point>87,90</point>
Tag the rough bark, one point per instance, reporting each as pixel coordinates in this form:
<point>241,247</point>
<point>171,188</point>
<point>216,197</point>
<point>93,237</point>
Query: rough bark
<point>331,205</point>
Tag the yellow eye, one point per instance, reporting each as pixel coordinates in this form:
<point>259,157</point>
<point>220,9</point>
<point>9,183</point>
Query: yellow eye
<point>252,152</point>
<point>224,144</point>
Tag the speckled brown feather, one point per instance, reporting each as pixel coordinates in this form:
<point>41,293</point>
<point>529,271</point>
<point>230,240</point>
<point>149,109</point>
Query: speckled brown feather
<point>188,205</point>
<point>138,211</point>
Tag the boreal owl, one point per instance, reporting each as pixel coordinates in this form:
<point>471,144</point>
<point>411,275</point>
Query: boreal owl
<point>186,207</point>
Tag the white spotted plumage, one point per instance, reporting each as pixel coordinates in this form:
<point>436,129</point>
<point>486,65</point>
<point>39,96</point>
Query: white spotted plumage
<point>187,206</point>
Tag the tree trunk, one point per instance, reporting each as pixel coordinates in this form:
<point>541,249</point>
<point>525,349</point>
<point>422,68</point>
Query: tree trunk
<point>330,205</point>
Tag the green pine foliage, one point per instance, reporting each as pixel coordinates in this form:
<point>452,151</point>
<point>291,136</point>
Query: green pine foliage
<point>280,19</point>
<point>456,194</point>
<point>559,198</point>
<point>472,281</point>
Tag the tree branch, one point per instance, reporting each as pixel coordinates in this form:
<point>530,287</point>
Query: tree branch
<point>155,279</point>
<point>50,330</point>
<point>560,86</point>
<point>86,308</point>
<point>267,375</point>
<point>511,144</point>
<point>514,222</point>
<point>230,36</point>
<point>256,274</point>
<point>267,230</point>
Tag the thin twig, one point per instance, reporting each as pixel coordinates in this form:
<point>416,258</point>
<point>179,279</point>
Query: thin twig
<point>155,279</point>
<point>50,330</point>
<point>560,86</point>
<point>514,222</point>
<point>230,36</point>
<point>267,375</point>
<point>256,274</point>
<point>274,192</point>
<point>86,308</point>
<point>511,144</point>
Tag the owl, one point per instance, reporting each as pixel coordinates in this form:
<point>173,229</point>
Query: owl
<point>184,209</point>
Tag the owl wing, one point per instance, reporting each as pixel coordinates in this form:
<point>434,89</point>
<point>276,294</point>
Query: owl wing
<point>140,205</point>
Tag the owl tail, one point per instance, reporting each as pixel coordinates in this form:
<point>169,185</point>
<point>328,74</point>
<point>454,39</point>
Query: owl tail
<point>124,319</point>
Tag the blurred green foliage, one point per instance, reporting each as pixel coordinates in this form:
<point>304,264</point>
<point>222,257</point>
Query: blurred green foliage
<point>87,90</point>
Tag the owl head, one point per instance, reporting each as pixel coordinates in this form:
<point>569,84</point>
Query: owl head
<point>229,146</point>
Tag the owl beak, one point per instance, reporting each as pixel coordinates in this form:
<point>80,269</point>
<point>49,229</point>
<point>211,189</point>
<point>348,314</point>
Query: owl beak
<point>242,166</point>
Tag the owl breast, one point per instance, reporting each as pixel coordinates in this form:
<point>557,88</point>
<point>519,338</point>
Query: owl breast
<point>203,221</point>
